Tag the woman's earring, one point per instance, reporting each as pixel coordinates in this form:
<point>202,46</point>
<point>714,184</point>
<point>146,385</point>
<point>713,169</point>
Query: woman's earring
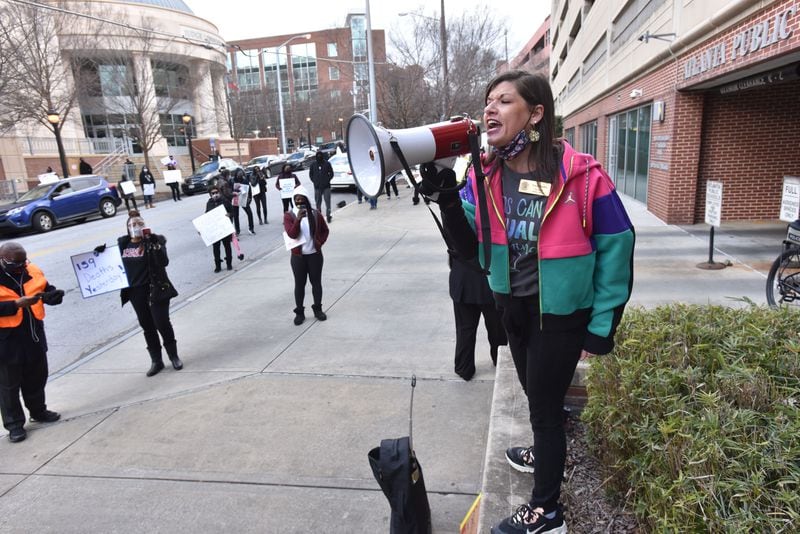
<point>534,135</point>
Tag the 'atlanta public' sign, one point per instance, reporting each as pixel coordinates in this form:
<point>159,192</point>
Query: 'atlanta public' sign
<point>753,38</point>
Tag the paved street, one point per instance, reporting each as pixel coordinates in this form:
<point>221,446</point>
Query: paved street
<point>80,326</point>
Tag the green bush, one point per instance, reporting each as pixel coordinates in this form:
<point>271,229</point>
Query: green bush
<point>696,417</point>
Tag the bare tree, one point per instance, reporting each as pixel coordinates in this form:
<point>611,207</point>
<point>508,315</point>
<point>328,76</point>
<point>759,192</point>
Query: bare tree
<point>136,84</point>
<point>407,102</point>
<point>36,80</point>
<point>472,38</point>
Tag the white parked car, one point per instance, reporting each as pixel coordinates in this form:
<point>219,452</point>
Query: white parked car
<point>342,175</point>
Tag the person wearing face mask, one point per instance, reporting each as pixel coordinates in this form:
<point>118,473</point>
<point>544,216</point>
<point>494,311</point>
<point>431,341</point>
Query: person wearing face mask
<point>215,200</point>
<point>144,256</point>
<point>24,291</point>
<point>560,265</point>
<point>146,178</point>
<point>305,223</point>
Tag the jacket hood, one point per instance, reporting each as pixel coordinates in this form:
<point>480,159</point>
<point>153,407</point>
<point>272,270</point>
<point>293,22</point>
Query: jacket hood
<point>301,190</point>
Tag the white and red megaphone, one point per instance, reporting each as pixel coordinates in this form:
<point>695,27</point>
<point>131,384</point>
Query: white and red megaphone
<point>372,158</point>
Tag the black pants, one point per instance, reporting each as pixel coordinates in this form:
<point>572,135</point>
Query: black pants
<point>128,201</point>
<point>319,194</point>
<point>467,318</point>
<point>287,204</point>
<point>307,266</point>
<point>393,185</point>
<point>29,376</point>
<point>249,212</point>
<point>545,362</point>
<point>154,320</point>
<point>176,191</point>
<point>261,204</point>
<point>226,242</point>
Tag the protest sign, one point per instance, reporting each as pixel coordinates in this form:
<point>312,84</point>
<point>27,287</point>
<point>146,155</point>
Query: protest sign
<point>165,160</point>
<point>171,177</point>
<point>99,272</point>
<point>287,186</point>
<point>213,225</point>
<point>48,178</point>
<point>128,188</point>
<point>256,189</point>
<point>290,243</point>
<point>243,189</point>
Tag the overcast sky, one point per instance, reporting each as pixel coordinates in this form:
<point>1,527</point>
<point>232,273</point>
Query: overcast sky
<point>242,19</point>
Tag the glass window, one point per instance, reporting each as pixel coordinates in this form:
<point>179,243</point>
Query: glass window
<point>589,138</point>
<point>333,73</point>
<point>631,157</point>
<point>248,71</point>
<point>332,51</point>
<point>170,79</point>
<point>569,135</point>
<point>304,66</point>
<point>106,79</point>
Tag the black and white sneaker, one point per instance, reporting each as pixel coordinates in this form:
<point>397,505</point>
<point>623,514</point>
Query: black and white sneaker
<point>527,520</point>
<point>520,458</point>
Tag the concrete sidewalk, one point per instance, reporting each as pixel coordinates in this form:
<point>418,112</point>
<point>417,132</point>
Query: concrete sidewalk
<point>267,428</point>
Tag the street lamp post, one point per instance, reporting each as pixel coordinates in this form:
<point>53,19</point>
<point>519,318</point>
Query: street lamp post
<point>187,120</point>
<point>278,78</point>
<point>54,119</point>
<point>443,49</point>
<point>341,128</point>
<point>308,129</point>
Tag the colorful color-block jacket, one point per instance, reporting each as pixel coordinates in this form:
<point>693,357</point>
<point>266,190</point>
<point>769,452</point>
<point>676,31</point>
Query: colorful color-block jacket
<point>585,248</point>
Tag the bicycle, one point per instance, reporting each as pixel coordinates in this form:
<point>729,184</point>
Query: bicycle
<point>783,280</point>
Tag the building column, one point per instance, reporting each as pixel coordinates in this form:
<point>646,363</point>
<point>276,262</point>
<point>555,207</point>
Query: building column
<point>143,70</point>
<point>204,112</point>
<point>221,102</point>
<point>673,195</point>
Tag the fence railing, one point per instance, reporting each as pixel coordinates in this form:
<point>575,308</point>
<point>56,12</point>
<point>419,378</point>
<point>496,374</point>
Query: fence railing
<point>8,191</point>
<point>32,146</point>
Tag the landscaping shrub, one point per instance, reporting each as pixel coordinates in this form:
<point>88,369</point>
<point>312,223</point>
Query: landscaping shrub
<point>695,417</point>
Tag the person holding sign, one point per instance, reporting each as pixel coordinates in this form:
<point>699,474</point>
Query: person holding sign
<point>242,197</point>
<point>23,346</point>
<point>127,190</point>
<point>172,165</point>
<point>216,200</point>
<point>144,256</point>
<point>286,183</point>
<point>549,228</point>
<point>308,226</point>
<point>148,183</point>
<point>259,183</point>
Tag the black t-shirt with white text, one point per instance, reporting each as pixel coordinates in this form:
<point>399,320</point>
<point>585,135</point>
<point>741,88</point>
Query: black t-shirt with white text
<point>523,214</point>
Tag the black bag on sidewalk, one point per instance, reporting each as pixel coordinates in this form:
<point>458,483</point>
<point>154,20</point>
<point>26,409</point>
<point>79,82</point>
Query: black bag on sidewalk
<point>399,475</point>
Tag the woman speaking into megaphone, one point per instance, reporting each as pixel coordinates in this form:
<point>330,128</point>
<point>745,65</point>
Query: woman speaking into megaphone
<point>559,257</point>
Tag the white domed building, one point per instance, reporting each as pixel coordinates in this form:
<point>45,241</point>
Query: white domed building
<point>130,78</point>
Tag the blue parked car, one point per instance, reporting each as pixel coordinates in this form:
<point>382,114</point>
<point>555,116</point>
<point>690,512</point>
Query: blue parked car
<point>72,199</point>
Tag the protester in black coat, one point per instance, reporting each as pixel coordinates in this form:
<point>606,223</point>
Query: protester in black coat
<point>145,178</point>
<point>321,173</point>
<point>217,199</point>
<point>260,179</point>
<point>144,256</point>
<point>471,299</point>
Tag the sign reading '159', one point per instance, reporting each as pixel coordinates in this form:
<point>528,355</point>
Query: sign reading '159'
<point>755,37</point>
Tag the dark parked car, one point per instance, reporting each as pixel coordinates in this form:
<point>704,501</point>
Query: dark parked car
<point>72,199</point>
<point>329,148</point>
<point>272,165</point>
<point>198,182</point>
<point>300,160</point>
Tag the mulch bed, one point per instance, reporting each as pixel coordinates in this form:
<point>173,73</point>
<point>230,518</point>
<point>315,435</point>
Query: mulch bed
<point>586,507</point>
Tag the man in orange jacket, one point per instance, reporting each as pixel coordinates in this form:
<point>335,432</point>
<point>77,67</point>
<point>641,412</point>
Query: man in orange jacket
<point>23,347</point>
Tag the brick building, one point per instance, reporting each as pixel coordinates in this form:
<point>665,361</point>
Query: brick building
<point>324,78</point>
<point>669,95</point>
<point>535,55</point>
